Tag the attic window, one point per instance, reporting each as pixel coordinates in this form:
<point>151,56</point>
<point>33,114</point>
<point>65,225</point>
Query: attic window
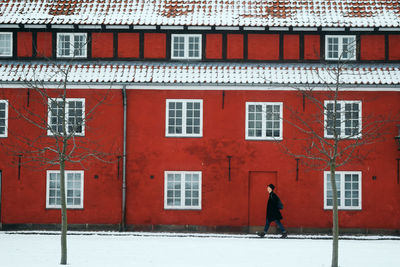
<point>186,46</point>
<point>340,47</point>
<point>71,45</point>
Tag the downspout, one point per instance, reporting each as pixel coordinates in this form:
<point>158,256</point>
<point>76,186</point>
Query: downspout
<point>123,215</point>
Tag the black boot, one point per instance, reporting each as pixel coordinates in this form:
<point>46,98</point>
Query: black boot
<point>260,234</point>
<point>284,234</point>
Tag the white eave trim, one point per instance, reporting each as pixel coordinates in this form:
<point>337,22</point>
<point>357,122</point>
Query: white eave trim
<point>305,29</point>
<point>199,28</point>
<point>62,26</point>
<point>171,27</point>
<point>9,26</point>
<point>356,29</point>
<point>35,26</point>
<point>254,28</point>
<point>118,27</point>
<point>226,28</point>
<point>328,29</point>
<point>145,27</point>
<point>390,29</point>
<point>278,28</point>
<point>90,27</point>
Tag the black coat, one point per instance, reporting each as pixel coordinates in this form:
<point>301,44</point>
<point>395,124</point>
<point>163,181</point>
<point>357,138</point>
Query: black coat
<point>273,212</point>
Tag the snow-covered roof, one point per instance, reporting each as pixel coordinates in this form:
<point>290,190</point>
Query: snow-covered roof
<point>201,73</point>
<point>281,13</point>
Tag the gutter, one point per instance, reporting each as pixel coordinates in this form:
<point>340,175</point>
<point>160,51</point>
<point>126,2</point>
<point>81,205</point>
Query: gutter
<point>123,215</point>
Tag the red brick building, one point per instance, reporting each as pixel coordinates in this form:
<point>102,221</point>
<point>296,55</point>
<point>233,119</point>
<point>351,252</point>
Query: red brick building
<point>209,87</point>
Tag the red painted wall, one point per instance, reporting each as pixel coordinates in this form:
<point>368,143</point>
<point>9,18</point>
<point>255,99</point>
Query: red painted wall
<point>155,45</point>
<point>291,46</point>
<point>372,47</point>
<point>263,46</point>
<point>214,46</point>
<point>234,46</point>
<point>24,48</point>
<point>128,45</point>
<point>102,45</point>
<point>44,44</point>
<point>312,47</point>
<point>224,202</point>
<point>394,50</point>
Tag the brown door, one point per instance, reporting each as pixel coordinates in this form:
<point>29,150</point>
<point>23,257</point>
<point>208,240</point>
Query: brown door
<point>258,196</point>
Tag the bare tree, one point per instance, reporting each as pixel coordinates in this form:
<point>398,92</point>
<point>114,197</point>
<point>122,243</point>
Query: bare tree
<point>334,135</point>
<point>61,123</point>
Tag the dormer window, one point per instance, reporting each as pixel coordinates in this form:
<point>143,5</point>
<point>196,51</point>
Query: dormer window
<point>72,45</point>
<point>186,46</point>
<point>5,44</point>
<point>340,47</point>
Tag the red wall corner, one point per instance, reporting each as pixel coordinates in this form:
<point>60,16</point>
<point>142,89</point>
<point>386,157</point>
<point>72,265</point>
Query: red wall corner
<point>234,46</point>
<point>372,47</point>
<point>155,45</point>
<point>24,47</point>
<point>263,46</point>
<point>394,47</point>
<point>128,45</point>
<point>291,46</point>
<point>44,44</point>
<point>102,45</point>
<point>214,46</point>
<point>312,47</point>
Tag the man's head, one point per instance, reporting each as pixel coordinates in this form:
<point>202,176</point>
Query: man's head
<point>270,188</point>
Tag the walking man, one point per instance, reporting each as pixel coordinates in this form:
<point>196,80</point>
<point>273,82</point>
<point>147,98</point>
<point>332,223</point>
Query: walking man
<point>273,212</point>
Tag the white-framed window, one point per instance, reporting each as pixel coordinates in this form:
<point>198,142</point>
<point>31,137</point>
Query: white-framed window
<point>348,186</point>
<point>3,118</point>
<point>74,116</point>
<point>182,190</point>
<point>347,121</point>
<point>6,47</point>
<point>72,45</point>
<point>73,189</point>
<point>184,118</point>
<point>186,46</point>
<point>264,120</point>
<point>340,47</point>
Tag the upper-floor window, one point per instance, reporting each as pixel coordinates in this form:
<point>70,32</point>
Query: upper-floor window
<point>73,189</point>
<point>184,118</point>
<point>348,186</point>
<point>340,47</point>
<point>264,120</point>
<point>71,45</point>
<point>344,121</point>
<point>182,190</point>
<point>186,46</point>
<point>3,118</point>
<point>6,44</point>
<point>74,116</point>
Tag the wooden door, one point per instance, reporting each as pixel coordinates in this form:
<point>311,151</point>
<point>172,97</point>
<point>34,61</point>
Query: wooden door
<point>258,197</point>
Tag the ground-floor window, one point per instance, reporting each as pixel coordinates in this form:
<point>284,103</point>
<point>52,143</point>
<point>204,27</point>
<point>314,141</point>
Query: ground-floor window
<point>182,190</point>
<point>73,189</point>
<point>348,187</point>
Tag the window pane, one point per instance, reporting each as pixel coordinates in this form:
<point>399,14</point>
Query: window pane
<point>5,44</point>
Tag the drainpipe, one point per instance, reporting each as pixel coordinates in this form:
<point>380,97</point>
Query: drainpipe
<point>123,215</point>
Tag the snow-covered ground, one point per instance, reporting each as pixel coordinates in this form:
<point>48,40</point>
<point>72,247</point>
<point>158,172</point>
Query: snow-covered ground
<point>36,249</point>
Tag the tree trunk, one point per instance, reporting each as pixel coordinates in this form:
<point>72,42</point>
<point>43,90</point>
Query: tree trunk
<point>64,224</point>
<point>335,219</point>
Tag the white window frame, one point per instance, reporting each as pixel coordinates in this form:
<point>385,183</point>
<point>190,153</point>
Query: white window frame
<point>10,44</point>
<point>340,51</point>
<point>186,46</point>
<point>68,100</point>
<point>183,190</point>
<point>264,121</point>
<point>55,206</point>
<point>72,48</point>
<point>341,204</point>
<point>343,118</point>
<point>184,118</point>
<point>5,134</point>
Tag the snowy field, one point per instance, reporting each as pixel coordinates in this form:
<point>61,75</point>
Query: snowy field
<point>31,249</point>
